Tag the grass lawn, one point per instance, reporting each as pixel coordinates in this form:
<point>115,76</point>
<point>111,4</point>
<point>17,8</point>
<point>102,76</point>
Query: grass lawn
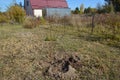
<point>26,53</point>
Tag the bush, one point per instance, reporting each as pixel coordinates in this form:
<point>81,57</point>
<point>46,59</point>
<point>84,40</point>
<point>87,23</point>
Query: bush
<point>16,13</point>
<point>31,22</point>
<point>3,18</point>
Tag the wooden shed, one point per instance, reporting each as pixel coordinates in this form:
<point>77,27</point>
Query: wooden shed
<point>49,7</point>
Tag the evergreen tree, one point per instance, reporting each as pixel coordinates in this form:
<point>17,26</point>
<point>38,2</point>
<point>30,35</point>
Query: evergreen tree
<point>116,4</point>
<point>88,10</point>
<point>99,8</point>
<point>20,4</point>
<point>76,10</point>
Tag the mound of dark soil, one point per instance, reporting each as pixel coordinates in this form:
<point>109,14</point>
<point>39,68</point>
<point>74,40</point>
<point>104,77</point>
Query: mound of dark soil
<point>63,67</point>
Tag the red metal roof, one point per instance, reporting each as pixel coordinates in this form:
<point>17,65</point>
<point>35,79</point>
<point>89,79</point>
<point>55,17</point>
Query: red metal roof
<point>40,4</point>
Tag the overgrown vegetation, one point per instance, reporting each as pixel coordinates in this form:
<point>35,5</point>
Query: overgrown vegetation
<point>28,52</point>
<point>85,47</point>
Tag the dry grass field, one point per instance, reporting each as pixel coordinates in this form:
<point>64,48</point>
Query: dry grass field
<point>56,53</point>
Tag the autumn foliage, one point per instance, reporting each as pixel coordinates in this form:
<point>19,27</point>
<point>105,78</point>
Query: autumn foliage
<point>16,13</point>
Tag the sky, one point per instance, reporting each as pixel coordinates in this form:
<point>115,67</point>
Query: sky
<point>71,3</point>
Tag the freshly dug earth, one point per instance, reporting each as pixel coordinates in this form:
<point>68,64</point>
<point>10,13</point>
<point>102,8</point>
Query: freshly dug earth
<point>63,67</point>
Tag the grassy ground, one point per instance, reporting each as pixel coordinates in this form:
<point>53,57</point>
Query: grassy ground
<point>25,53</point>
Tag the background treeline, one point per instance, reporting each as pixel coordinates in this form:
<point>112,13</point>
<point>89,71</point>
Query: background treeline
<point>110,6</point>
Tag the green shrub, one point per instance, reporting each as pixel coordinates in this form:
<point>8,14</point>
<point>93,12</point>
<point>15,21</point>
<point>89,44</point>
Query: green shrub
<point>16,13</point>
<point>31,22</point>
<point>42,20</point>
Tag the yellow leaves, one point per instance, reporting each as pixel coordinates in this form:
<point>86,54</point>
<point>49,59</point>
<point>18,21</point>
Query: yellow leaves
<point>16,13</point>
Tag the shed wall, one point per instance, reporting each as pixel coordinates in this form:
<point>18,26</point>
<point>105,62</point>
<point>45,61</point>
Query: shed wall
<point>28,8</point>
<point>38,12</point>
<point>57,12</point>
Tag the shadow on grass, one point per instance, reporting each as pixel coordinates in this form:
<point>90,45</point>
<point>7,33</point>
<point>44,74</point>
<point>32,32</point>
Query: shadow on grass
<point>108,40</point>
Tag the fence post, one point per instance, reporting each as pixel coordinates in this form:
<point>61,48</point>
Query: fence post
<point>93,23</point>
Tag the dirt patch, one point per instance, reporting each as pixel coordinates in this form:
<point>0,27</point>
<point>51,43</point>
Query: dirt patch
<point>64,67</point>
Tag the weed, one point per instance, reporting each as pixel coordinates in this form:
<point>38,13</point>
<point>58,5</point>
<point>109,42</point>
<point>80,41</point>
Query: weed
<point>48,38</point>
<point>30,22</point>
